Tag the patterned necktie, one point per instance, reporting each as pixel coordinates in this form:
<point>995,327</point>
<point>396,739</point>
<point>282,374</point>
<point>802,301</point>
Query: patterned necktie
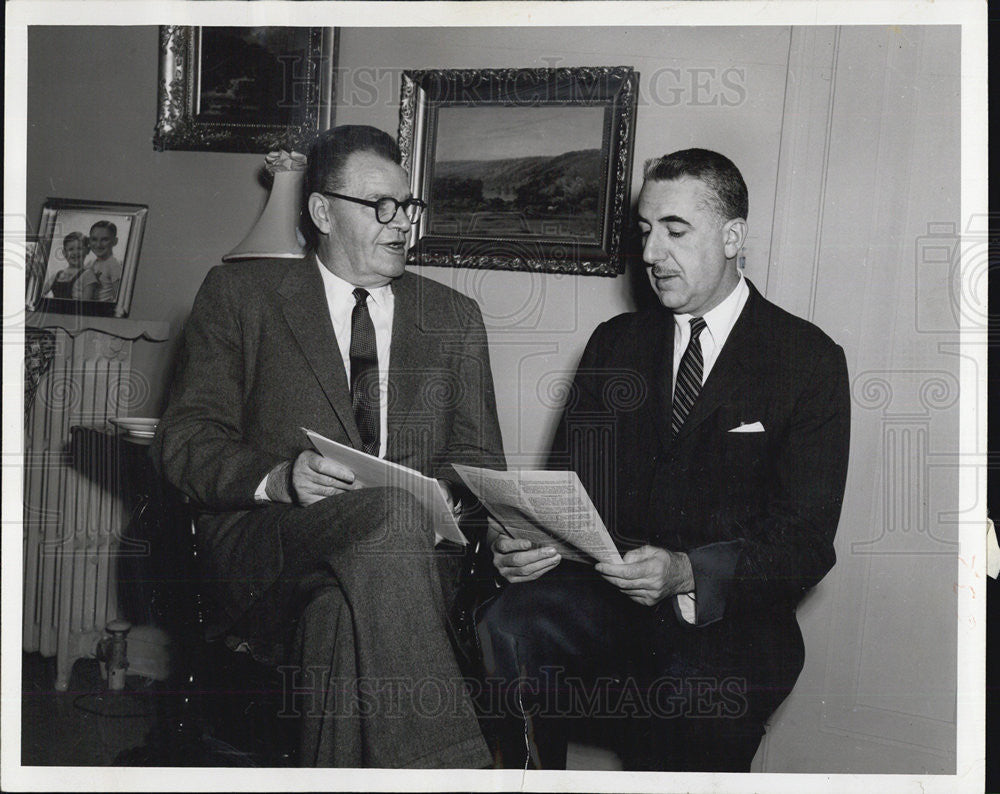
<point>688,377</point>
<point>364,373</point>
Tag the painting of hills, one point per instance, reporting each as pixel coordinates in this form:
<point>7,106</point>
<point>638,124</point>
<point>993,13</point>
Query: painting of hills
<point>549,184</point>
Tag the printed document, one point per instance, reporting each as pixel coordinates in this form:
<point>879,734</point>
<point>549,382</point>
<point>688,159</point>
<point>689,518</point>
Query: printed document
<point>549,508</point>
<point>371,472</point>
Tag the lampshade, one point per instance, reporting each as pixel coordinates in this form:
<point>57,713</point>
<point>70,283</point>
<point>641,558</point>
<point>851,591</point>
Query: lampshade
<point>275,234</point>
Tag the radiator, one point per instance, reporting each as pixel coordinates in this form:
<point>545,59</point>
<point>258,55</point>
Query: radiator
<point>72,519</point>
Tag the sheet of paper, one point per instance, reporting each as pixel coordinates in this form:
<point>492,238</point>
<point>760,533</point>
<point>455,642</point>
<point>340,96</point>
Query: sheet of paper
<point>549,508</point>
<point>372,472</point>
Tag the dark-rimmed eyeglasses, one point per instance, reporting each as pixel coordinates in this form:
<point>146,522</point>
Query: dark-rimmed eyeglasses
<point>386,207</point>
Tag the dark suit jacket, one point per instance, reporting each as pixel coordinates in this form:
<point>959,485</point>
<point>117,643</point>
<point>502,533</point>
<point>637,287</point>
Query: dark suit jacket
<point>755,512</point>
<point>260,361</point>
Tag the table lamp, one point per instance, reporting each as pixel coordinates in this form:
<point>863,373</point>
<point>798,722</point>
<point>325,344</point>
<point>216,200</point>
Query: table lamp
<point>275,234</point>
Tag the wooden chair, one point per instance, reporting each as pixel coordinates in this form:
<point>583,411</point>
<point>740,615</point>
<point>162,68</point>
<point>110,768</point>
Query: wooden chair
<point>222,706</point>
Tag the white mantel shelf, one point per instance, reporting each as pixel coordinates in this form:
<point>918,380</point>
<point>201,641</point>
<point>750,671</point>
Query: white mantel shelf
<point>122,327</point>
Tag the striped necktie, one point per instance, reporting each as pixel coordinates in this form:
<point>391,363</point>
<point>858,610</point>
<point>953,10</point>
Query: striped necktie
<point>688,377</point>
<point>364,373</point>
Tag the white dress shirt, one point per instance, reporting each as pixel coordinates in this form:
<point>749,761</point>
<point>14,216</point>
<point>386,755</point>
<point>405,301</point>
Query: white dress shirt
<point>340,302</point>
<point>719,323</point>
<point>381,303</point>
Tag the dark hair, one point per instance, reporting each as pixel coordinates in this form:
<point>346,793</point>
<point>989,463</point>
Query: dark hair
<point>105,225</point>
<point>328,156</point>
<point>729,191</point>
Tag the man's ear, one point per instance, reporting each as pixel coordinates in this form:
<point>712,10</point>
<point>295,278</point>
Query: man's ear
<point>319,211</point>
<point>734,235</point>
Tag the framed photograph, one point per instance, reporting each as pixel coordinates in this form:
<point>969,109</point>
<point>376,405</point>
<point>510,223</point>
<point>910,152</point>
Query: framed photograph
<point>250,90</point>
<point>86,257</point>
<point>522,169</point>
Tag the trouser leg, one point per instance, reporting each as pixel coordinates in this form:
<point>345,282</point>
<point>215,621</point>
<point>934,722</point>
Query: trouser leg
<point>321,688</point>
<point>700,720</point>
<point>678,697</point>
<point>553,648</point>
<point>375,546</point>
<point>710,696</point>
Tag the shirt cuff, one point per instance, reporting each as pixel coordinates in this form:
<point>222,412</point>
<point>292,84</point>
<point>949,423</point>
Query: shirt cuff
<point>260,495</point>
<point>686,605</point>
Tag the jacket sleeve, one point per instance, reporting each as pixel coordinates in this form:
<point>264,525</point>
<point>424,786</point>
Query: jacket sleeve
<point>200,445</point>
<point>789,548</point>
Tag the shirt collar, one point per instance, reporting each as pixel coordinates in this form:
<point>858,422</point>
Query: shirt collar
<point>720,320</point>
<point>342,292</point>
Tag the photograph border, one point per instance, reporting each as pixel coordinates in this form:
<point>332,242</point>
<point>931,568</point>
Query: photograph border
<point>177,125</point>
<point>612,87</point>
<point>130,261</point>
<point>971,348</point>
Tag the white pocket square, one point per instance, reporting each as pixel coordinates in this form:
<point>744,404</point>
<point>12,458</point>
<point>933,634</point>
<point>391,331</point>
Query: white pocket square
<point>755,427</point>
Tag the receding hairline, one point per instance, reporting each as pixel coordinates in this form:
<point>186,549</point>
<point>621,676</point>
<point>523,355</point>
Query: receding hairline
<point>708,198</point>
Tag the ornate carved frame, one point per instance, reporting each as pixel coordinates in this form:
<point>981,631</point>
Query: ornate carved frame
<point>613,88</point>
<point>179,127</point>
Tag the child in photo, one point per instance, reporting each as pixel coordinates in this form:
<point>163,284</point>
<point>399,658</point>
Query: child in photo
<point>106,268</point>
<point>74,282</point>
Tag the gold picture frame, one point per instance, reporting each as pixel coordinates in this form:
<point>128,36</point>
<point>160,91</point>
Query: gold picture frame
<point>243,89</point>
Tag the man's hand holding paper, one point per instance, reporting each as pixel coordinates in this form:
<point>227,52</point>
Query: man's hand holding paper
<point>518,560</point>
<point>649,574</point>
<point>538,519</point>
<point>357,469</point>
<point>314,477</point>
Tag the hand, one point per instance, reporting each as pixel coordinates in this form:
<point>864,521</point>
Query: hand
<point>649,574</point>
<point>516,561</point>
<point>311,479</point>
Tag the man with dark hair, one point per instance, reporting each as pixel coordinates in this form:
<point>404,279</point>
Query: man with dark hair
<point>721,478</point>
<point>344,342</point>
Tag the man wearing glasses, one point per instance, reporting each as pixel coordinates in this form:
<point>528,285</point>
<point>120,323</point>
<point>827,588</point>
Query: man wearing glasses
<point>342,580</point>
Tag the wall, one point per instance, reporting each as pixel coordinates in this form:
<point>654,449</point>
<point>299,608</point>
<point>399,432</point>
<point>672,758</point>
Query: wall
<point>848,139</point>
<point>91,112</point>
<point>538,324</point>
<point>864,246</point>
<point>92,106</point>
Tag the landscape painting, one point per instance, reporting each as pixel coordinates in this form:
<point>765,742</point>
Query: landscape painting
<point>521,168</point>
<point>524,171</point>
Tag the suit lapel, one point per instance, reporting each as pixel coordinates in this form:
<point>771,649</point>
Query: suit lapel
<point>659,362</point>
<point>405,354</point>
<point>729,373</point>
<point>308,316</point>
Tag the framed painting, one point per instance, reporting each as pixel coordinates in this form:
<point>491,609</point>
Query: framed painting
<point>85,258</point>
<point>239,89</point>
<point>522,169</point>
